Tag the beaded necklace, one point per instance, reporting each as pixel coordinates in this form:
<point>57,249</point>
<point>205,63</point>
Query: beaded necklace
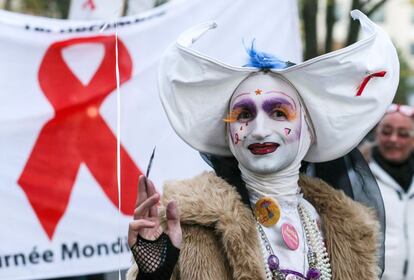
<point>318,260</point>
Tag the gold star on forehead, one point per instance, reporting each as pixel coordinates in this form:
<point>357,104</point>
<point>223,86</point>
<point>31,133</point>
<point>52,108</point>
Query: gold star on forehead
<point>258,91</point>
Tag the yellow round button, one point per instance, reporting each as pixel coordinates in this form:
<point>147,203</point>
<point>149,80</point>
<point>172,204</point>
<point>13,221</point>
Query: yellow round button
<point>267,211</point>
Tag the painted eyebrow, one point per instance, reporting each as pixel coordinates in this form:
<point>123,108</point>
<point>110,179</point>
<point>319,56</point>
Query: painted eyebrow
<point>281,92</point>
<point>245,103</point>
<point>269,104</point>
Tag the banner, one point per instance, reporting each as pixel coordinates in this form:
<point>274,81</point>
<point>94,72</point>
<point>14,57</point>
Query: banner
<point>59,121</point>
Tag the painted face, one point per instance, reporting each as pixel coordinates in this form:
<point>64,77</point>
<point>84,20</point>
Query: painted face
<point>395,137</point>
<point>264,123</point>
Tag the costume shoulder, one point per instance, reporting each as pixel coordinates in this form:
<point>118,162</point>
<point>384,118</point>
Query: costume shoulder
<point>351,230</point>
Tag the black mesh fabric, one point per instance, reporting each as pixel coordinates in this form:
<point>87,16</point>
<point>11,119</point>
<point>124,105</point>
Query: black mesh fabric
<point>156,259</point>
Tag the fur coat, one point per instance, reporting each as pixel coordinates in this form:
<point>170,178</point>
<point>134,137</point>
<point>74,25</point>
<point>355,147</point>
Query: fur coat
<point>220,241</point>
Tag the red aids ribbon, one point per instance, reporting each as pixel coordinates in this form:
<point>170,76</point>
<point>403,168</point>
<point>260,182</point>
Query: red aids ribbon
<point>366,80</point>
<point>77,134</point>
<point>90,4</point>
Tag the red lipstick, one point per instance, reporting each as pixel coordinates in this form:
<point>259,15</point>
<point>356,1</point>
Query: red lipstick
<point>263,148</point>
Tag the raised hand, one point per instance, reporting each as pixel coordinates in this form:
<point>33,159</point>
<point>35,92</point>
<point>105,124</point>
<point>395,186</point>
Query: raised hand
<point>146,222</point>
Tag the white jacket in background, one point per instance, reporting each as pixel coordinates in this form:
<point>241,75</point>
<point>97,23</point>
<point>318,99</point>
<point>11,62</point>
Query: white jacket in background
<point>399,234</point>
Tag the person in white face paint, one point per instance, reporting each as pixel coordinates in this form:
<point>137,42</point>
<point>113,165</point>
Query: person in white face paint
<point>265,221</point>
<point>269,137</point>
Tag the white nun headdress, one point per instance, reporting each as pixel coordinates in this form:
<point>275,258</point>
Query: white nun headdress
<point>345,92</point>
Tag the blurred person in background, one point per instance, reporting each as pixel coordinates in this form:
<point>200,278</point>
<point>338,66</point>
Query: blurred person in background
<point>391,160</point>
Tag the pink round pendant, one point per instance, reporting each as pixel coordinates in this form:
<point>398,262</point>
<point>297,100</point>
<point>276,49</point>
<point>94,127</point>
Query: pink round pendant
<point>290,236</point>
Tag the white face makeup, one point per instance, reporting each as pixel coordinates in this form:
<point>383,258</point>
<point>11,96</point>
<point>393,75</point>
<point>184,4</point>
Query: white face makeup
<point>264,124</point>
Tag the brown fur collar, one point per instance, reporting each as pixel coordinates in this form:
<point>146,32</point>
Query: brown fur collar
<point>208,201</point>
<point>351,230</point>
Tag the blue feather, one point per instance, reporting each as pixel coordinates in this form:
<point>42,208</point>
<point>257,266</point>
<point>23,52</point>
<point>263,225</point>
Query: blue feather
<point>264,60</point>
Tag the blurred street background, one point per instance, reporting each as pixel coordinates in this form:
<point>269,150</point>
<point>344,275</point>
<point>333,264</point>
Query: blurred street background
<point>30,32</point>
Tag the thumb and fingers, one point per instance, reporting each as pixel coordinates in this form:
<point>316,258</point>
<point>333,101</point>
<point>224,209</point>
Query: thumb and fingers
<point>146,214</point>
<point>173,224</point>
<point>145,217</point>
<point>141,211</point>
<point>145,226</point>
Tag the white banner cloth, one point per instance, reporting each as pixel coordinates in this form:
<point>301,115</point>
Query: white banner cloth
<point>58,124</point>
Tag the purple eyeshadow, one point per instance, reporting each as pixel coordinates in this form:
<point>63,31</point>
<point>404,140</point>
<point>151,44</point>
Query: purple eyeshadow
<point>270,104</point>
<point>246,103</point>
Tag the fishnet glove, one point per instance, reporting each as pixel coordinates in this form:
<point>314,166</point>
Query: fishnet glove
<point>156,259</point>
